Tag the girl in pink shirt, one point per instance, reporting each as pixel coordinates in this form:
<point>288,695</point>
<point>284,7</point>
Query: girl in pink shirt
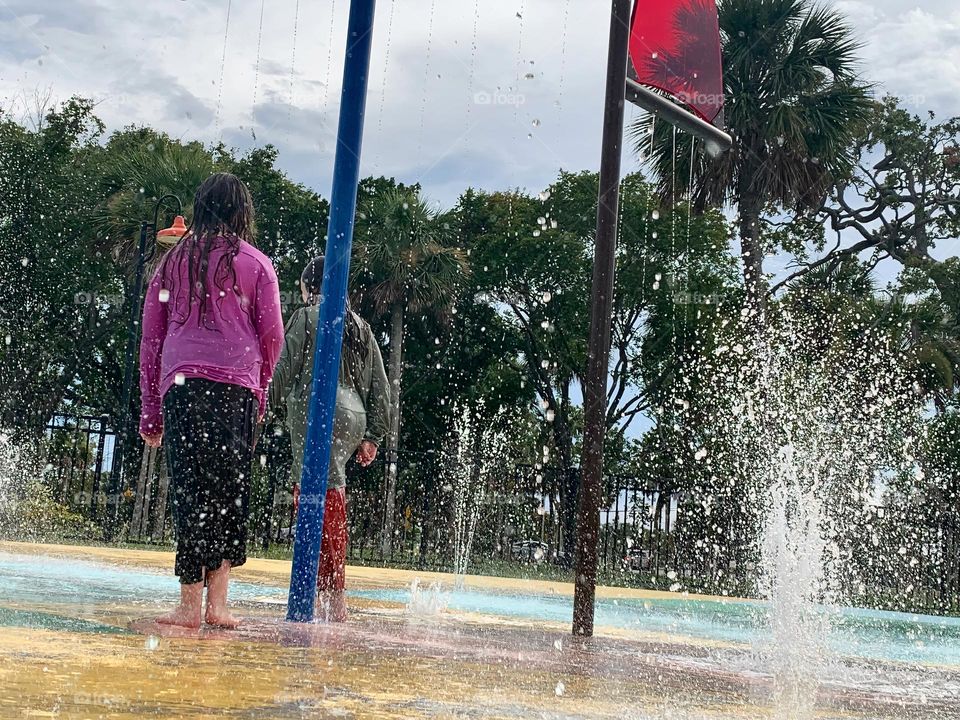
<point>212,334</point>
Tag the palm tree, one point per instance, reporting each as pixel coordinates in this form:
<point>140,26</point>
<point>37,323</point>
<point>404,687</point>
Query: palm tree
<point>793,102</point>
<point>405,263</point>
<point>149,171</point>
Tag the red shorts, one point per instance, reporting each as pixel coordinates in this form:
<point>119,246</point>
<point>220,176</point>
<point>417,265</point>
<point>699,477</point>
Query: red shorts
<point>333,546</point>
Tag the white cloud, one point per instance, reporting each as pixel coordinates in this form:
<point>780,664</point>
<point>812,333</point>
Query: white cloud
<point>159,63</point>
<point>914,53</point>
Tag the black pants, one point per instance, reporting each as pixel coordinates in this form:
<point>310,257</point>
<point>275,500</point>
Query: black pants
<point>208,431</point>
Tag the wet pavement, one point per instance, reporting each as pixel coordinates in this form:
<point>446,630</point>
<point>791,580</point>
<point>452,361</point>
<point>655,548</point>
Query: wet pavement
<point>91,649</point>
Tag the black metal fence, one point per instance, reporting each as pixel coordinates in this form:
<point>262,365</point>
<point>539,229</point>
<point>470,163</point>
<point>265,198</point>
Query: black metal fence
<point>518,521</point>
<point>79,455</point>
<point>904,559</point>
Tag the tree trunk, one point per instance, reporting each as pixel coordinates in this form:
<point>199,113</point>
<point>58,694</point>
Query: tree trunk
<point>160,506</point>
<point>393,436</point>
<point>141,502</point>
<point>750,205</point>
<point>569,477</point>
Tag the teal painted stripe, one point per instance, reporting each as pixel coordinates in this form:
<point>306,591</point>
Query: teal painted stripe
<point>10,617</point>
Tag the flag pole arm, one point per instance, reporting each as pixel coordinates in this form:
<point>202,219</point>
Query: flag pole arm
<point>717,141</point>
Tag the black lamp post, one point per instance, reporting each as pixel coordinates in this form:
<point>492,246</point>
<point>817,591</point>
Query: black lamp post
<point>126,420</point>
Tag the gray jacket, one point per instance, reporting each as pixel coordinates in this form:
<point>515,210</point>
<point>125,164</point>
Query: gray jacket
<point>293,377</point>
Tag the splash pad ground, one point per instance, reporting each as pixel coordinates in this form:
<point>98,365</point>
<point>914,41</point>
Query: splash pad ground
<point>77,640</point>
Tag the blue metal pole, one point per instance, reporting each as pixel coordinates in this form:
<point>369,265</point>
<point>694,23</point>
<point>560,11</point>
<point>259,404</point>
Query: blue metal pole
<point>326,361</point>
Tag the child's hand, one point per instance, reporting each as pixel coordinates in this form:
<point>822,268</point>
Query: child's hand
<point>152,440</point>
<point>366,453</point>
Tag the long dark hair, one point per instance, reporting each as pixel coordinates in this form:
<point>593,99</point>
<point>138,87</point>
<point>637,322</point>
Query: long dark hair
<point>354,347</point>
<point>222,208</point>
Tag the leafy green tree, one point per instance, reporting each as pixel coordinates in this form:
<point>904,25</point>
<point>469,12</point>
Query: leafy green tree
<point>142,166</point>
<point>405,263</point>
<point>911,313</point>
<point>531,258</point>
<point>903,204</point>
<point>61,294</point>
<point>793,103</point>
<point>899,208</point>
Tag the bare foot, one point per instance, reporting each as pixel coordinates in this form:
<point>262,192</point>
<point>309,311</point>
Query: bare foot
<point>221,617</point>
<point>217,613</point>
<point>187,616</point>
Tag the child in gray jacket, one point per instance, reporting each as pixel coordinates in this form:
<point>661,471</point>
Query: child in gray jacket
<point>361,419</point>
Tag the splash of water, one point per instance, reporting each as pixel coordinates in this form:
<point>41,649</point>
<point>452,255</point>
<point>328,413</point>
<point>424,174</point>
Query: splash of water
<point>476,459</point>
<point>463,474</point>
<point>12,469</point>
<point>793,552</point>
<point>426,601</point>
<point>799,426</point>
<point>6,473</point>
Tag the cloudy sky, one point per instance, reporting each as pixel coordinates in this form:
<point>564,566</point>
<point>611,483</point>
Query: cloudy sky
<point>488,93</point>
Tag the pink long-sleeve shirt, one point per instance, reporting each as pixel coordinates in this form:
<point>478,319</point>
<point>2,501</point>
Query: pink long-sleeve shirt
<point>238,342</point>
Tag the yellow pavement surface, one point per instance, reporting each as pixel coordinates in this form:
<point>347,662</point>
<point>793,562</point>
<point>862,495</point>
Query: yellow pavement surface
<point>64,657</point>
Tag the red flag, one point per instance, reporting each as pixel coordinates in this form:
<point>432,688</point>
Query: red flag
<point>675,47</point>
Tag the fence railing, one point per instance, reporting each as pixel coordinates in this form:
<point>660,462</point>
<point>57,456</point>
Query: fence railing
<point>79,456</point>
<point>650,536</point>
<point>519,521</point>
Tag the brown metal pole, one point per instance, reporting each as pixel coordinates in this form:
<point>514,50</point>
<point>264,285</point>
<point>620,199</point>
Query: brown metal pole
<point>604,265</point>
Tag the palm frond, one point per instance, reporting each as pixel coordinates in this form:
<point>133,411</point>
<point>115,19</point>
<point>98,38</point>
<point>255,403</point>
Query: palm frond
<point>406,255</point>
<point>144,176</point>
<point>793,102</point>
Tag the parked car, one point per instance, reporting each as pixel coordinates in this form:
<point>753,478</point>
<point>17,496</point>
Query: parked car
<point>531,551</point>
<point>637,560</point>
